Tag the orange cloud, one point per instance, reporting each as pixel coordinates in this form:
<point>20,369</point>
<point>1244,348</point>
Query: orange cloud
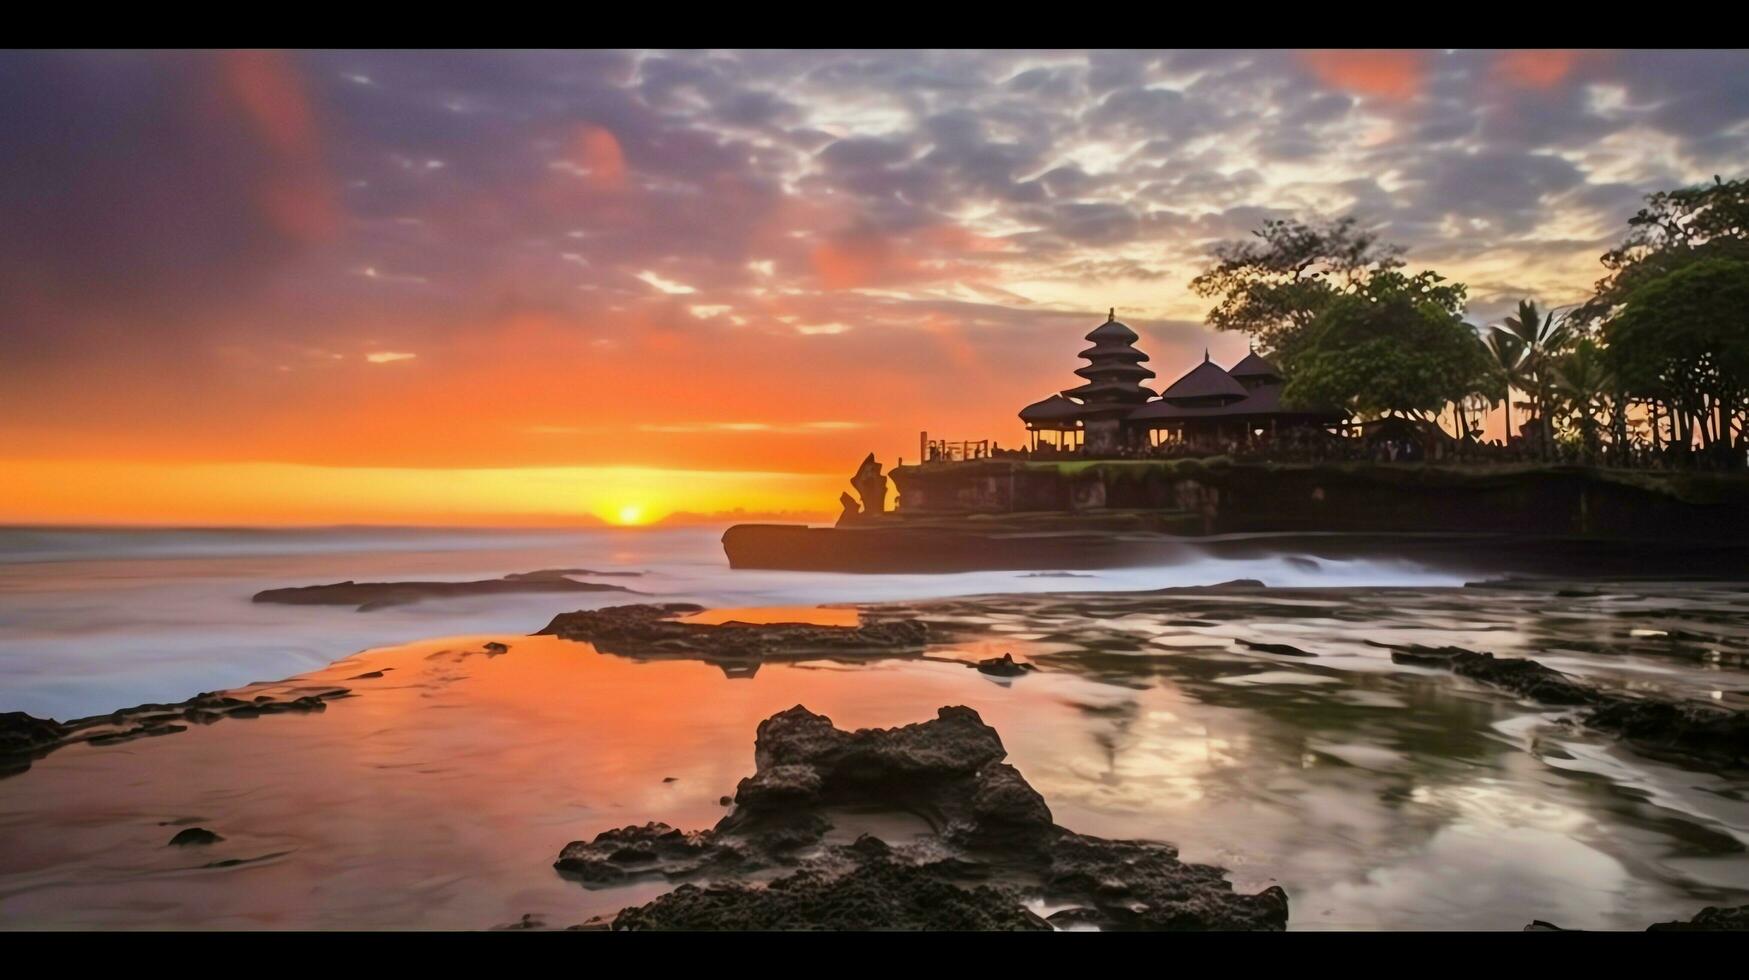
<point>298,199</point>
<point>1393,75</point>
<point>859,259</point>
<point>266,85</point>
<point>870,258</point>
<point>1536,69</point>
<point>597,152</point>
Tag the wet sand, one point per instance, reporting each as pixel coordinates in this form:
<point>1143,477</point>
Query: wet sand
<point>1379,795</point>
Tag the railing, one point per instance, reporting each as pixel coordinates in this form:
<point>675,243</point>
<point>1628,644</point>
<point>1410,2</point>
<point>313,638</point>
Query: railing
<point>949,451</point>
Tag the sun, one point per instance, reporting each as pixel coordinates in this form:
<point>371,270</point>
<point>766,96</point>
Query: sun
<point>631,514</point>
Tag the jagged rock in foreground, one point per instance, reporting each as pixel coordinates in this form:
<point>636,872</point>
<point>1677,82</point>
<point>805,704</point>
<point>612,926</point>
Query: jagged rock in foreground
<point>1710,919</point>
<point>777,860</point>
<point>650,630</point>
<point>1652,723</point>
<point>379,595</point>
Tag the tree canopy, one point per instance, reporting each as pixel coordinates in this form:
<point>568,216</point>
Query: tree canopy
<point>1655,364</point>
<point>1683,338</point>
<point>1274,284</point>
<point>1675,228</point>
<point>1396,346</point>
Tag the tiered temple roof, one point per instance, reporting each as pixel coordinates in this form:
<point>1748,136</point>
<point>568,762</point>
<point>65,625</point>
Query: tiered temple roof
<point>1114,370</point>
<point>1114,373</point>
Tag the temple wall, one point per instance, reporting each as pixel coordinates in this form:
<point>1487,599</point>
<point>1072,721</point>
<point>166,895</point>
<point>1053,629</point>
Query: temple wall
<point>1230,498</point>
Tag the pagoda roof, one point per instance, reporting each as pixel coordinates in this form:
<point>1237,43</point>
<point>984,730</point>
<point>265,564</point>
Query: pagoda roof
<point>1108,391</point>
<point>1096,371</point>
<point>1206,380</point>
<point>1053,409</point>
<point>1264,400</point>
<point>1254,366</point>
<point>1110,351</point>
<point>1110,331</point>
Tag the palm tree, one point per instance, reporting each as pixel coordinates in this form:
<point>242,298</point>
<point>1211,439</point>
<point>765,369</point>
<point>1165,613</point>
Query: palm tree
<point>1507,352</point>
<point>1581,379</point>
<point>1543,335</point>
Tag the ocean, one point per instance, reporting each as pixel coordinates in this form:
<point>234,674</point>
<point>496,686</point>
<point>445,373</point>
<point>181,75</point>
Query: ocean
<point>95,619</point>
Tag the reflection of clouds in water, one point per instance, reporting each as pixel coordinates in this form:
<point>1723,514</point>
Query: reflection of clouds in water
<point>1371,790</point>
<point>1377,794</point>
<point>1468,877</point>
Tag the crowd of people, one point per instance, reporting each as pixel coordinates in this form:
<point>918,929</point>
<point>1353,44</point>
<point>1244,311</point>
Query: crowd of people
<point>1400,444</point>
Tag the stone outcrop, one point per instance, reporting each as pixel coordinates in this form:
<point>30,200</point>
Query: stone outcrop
<point>24,738</point>
<point>852,510</point>
<point>1651,723</point>
<point>194,835</point>
<point>870,485</point>
<point>1525,678</point>
<point>1004,666</point>
<point>993,848</point>
<point>1710,919</point>
<point>650,630</point>
<point>378,595</point>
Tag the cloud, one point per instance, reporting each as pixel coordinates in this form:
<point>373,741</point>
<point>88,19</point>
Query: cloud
<point>668,286</point>
<point>596,157</point>
<point>1392,75</point>
<point>388,356</point>
<point>1537,69</point>
<point>605,240</point>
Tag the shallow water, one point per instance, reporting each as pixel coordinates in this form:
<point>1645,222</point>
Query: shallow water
<point>93,620</point>
<point>1377,795</point>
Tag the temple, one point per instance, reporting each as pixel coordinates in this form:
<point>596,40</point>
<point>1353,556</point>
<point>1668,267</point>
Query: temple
<point>1208,409</point>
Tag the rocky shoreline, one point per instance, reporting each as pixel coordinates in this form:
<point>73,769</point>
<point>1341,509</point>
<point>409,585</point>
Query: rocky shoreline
<point>927,826</point>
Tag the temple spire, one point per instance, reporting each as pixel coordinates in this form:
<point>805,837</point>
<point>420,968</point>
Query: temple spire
<point>1205,355</point>
<point>1114,370</point>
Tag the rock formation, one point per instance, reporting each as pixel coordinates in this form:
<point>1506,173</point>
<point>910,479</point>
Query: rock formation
<point>1651,723</point>
<point>852,510</point>
<point>994,846</point>
<point>871,485</point>
<point>377,595</point>
<point>650,630</point>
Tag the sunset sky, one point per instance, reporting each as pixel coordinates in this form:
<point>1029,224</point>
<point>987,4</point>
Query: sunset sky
<point>405,287</point>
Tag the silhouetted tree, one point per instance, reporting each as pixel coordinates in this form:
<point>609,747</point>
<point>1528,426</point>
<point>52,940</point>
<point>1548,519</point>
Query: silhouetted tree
<point>1681,342</point>
<point>1395,346</point>
<point>1507,353</point>
<point>1275,284</point>
<point>1675,229</point>
<point>1582,384</point>
<point>1543,336</point>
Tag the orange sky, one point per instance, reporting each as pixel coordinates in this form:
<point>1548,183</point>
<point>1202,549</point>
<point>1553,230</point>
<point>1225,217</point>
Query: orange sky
<point>534,287</point>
